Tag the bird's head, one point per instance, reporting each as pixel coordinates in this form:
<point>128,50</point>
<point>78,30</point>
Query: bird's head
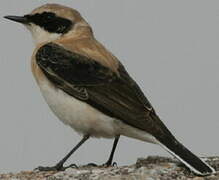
<point>52,21</point>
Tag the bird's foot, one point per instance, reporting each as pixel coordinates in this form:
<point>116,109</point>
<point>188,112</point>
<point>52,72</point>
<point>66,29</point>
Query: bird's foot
<point>58,167</point>
<point>107,164</point>
<point>52,168</point>
<point>110,164</point>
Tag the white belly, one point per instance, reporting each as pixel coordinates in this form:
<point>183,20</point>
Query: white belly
<point>84,118</point>
<point>77,114</point>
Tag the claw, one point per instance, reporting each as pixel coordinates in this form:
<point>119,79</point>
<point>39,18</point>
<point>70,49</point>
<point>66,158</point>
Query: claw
<point>109,164</point>
<point>92,164</point>
<point>71,166</point>
<point>114,164</point>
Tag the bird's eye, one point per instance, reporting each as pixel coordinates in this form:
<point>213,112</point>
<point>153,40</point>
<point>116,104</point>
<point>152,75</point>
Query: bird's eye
<point>51,22</point>
<point>49,15</point>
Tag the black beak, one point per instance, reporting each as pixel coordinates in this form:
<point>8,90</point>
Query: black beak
<point>20,19</point>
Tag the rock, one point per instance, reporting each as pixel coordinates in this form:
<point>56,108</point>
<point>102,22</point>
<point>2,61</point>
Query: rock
<point>150,168</point>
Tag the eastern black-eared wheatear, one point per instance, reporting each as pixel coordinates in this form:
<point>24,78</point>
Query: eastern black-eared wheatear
<point>89,89</point>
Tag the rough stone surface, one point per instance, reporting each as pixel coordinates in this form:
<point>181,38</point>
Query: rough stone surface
<point>151,168</point>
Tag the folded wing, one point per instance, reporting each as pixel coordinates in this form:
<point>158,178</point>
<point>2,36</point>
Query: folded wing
<point>115,94</point>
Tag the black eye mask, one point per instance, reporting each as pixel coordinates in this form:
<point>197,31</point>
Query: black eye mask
<point>50,22</point>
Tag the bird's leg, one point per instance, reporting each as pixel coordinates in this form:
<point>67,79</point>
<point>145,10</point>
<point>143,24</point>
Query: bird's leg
<point>109,162</point>
<point>59,166</point>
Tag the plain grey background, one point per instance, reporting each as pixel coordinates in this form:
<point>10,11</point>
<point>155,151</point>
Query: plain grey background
<point>170,48</point>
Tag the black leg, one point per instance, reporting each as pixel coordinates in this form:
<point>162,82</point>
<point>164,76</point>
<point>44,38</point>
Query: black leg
<point>109,162</point>
<point>59,165</point>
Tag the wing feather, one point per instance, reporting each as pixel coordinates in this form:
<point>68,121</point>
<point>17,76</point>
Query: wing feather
<point>116,95</point>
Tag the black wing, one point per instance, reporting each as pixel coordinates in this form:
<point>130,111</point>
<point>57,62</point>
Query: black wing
<point>115,95</point>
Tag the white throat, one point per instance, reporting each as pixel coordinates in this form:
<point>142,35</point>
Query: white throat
<point>40,35</point>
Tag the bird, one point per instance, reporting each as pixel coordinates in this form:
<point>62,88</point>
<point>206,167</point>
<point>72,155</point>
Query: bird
<point>90,90</point>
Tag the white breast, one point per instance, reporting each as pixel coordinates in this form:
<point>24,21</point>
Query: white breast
<point>77,114</point>
<point>84,118</point>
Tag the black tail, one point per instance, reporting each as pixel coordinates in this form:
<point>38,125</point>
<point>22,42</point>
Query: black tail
<point>185,156</point>
<point>169,143</point>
